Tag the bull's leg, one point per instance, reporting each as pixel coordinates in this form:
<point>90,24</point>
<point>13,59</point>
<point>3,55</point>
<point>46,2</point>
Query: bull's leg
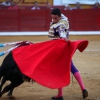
<point>2,82</point>
<point>6,89</point>
<point>10,92</point>
<point>1,71</point>
<point>10,96</point>
<point>9,87</point>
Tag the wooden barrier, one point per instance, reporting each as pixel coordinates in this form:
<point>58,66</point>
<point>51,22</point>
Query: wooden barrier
<point>8,20</point>
<point>32,20</point>
<point>39,20</point>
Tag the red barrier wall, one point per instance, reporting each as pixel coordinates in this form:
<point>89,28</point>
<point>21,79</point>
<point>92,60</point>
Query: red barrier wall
<point>39,20</point>
<point>8,20</point>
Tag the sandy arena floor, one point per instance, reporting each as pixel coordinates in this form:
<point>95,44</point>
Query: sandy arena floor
<point>88,64</point>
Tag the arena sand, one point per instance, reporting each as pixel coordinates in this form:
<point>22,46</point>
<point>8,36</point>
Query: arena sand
<point>88,63</point>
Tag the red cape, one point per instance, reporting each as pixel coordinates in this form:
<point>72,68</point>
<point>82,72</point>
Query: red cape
<point>48,63</point>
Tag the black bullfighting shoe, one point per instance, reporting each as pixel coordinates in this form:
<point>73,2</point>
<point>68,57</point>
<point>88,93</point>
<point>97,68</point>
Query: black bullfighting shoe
<point>59,98</point>
<point>85,93</point>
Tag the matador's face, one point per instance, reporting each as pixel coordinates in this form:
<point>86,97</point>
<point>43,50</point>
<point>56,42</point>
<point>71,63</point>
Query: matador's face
<point>55,18</point>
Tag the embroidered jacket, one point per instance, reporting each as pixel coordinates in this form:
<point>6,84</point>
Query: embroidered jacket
<point>60,29</point>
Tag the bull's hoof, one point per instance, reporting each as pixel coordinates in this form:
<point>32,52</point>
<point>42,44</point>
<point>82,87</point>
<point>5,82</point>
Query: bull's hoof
<point>11,97</point>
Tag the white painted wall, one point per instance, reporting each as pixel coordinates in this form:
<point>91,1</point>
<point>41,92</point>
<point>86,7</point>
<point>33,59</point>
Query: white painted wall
<point>64,2</point>
<point>57,2</point>
<point>46,33</point>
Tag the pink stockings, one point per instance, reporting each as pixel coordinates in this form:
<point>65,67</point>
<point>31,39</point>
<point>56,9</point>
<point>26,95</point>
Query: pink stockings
<point>79,80</point>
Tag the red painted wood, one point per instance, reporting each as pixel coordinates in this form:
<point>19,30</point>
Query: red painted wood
<point>39,20</point>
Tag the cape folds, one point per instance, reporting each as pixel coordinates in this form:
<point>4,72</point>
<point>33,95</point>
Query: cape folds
<point>48,63</point>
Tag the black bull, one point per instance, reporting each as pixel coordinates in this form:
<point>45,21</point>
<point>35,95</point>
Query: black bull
<point>10,71</point>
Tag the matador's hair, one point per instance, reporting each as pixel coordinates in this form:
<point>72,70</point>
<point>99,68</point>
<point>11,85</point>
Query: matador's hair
<point>56,11</point>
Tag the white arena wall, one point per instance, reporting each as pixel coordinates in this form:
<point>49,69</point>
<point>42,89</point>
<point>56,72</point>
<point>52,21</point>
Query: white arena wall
<point>42,36</point>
